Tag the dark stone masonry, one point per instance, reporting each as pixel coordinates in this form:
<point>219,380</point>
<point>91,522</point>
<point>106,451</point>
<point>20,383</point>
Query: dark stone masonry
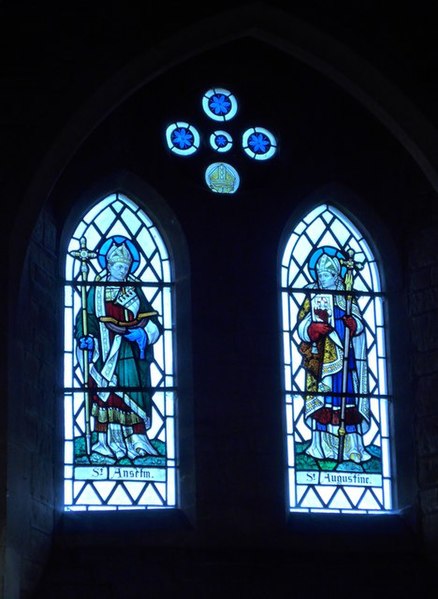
<point>87,92</point>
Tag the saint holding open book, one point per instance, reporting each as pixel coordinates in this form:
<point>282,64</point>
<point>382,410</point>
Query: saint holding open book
<point>115,332</point>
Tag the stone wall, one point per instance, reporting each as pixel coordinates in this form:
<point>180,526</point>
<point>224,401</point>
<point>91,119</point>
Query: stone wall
<point>423,309</point>
<point>33,424</point>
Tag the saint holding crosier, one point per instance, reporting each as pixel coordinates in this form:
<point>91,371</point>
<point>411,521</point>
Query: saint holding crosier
<point>115,331</point>
<point>333,348</point>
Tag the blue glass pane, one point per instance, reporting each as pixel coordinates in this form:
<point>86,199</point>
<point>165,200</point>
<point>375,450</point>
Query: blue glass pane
<point>219,104</point>
<point>259,143</point>
<point>221,141</point>
<point>182,138</point>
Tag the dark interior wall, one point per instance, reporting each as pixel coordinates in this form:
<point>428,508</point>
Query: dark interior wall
<point>237,540</point>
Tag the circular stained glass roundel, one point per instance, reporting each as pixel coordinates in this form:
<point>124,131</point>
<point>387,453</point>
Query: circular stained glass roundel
<point>221,177</point>
<point>259,143</point>
<point>221,141</point>
<point>182,138</point>
<point>219,104</point>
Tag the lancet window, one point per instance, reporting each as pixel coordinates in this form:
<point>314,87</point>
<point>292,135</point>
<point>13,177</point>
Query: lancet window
<point>119,383</point>
<point>337,403</point>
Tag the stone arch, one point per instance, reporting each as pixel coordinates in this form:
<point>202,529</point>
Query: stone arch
<point>34,229</point>
<point>292,36</point>
<point>370,233</point>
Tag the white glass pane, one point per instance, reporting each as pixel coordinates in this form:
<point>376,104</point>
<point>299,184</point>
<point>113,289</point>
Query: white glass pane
<point>146,242</point>
<point>289,419</point>
<point>68,364</point>
<point>167,307</point>
<point>158,399</point>
<point>133,223</point>
<point>104,488</point>
<point>284,277</point>
<point>340,231</point>
<point>292,494</point>
<point>381,342</point>
<point>288,249</point>
<point>168,351</point>
<point>369,502</point>
<point>119,497</point>
<point>290,451</point>
<point>387,494</point>
<point>385,458</point>
<point>300,281</point>
<point>69,265</point>
<point>68,452</point>
<point>302,250</point>
<point>379,311</point>
<point>68,422</point>
<point>68,327</point>
<point>382,375</point>
<point>384,417</point>
<point>167,277</point>
<point>285,310</point>
<point>326,493</point>
<point>287,378</point>
<point>134,489</point>
<point>160,244</point>
<point>328,239</point>
<point>375,277</point>
<point>93,237</point>
<point>68,492</point>
<point>170,437</point>
<point>171,490</point>
<point>314,214</point>
<point>286,348</point>
<point>315,230</point>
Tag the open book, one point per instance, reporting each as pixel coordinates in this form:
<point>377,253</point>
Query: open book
<point>322,308</point>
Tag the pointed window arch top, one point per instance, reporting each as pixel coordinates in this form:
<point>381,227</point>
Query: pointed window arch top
<point>119,387</point>
<point>335,368</point>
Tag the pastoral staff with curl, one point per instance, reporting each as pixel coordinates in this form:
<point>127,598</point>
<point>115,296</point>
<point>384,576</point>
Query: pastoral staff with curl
<point>115,334</point>
<point>333,347</point>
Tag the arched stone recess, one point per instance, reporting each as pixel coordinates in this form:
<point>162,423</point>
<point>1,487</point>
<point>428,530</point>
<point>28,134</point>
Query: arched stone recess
<point>35,501</point>
<point>134,218</point>
<point>34,419</point>
<point>168,289</point>
<point>330,223</point>
<point>290,35</point>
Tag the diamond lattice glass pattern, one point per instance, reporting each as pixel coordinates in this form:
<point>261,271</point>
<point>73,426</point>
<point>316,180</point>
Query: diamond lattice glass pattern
<point>119,393</point>
<point>335,369</point>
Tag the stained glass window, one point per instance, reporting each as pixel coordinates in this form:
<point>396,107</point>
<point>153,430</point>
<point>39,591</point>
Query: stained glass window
<point>219,104</point>
<point>259,143</point>
<point>221,177</point>
<point>221,141</point>
<point>337,404</point>
<point>119,385</point>
<point>182,138</point>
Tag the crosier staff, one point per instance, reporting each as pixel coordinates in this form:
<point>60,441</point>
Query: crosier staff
<point>85,255</point>
<point>351,266</point>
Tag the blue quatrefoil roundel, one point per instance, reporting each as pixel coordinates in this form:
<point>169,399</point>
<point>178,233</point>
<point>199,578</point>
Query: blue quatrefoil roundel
<point>259,143</point>
<point>221,141</point>
<point>182,138</point>
<point>219,104</point>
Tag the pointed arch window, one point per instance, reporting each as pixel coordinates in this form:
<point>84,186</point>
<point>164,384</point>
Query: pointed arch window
<point>335,368</point>
<point>119,387</point>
